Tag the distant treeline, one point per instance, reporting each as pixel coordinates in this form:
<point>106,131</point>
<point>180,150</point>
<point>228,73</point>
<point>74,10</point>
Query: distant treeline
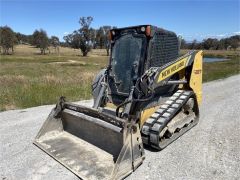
<point>232,42</point>
<point>86,38</point>
<point>39,39</point>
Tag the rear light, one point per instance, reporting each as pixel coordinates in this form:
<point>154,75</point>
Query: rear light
<point>148,31</point>
<point>143,29</point>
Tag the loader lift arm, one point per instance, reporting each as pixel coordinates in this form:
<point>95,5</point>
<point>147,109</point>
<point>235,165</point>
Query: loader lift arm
<point>157,77</point>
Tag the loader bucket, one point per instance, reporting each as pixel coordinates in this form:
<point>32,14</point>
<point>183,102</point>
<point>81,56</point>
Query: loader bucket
<point>92,144</point>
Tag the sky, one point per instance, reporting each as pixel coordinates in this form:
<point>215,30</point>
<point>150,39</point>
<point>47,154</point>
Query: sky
<point>191,19</point>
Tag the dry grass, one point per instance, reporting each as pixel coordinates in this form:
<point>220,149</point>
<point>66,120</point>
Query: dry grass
<point>217,53</point>
<point>28,79</point>
<point>63,51</point>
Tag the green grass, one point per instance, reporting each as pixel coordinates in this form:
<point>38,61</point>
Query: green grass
<point>34,93</point>
<point>219,70</point>
<point>28,79</point>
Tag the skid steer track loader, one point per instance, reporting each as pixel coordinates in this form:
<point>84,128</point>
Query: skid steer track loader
<point>148,94</point>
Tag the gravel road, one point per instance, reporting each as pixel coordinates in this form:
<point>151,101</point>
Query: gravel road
<point>211,150</point>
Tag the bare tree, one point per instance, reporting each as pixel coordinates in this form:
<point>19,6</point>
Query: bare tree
<point>102,38</point>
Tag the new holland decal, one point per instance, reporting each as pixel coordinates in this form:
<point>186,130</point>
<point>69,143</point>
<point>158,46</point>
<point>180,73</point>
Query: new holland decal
<point>173,69</point>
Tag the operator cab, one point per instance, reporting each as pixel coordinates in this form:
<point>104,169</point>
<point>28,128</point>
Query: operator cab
<point>133,51</point>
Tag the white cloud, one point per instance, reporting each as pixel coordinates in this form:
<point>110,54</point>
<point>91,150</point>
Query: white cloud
<point>236,32</point>
<point>200,36</point>
<point>221,35</point>
<point>66,33</point>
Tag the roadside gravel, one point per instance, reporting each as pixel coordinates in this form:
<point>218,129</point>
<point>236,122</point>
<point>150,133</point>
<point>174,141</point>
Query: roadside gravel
<point>211,150</point>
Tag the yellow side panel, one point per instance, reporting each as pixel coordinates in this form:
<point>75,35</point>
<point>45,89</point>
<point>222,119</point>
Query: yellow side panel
<point>172,69</point>
<point>145,114</point>
<point>196,76</point>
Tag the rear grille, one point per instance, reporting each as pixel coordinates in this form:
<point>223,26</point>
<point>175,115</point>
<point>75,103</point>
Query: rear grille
<point>164,48</point>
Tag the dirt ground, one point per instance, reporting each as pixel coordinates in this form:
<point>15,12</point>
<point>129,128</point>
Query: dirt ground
<point>211,150</point>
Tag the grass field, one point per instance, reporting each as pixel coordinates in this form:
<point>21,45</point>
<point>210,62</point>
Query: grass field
<point>28,79</point>
<point>222,69</point>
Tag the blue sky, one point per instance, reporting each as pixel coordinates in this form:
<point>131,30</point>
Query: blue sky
<point>191,19</point>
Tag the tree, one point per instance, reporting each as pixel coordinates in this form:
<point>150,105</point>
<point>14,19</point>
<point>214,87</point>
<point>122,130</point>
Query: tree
<point>54,41</point>
<point>19,37</point>
<point>40,40</point>
<point>73,40</point>
<point>210,43</point>
<point>106,30</point>
<point>222,44</point>
<point>234,41</point>
<point>193,44</point>
<point>183,44</point>
<point>86,34</point>
<point>83,38</point>
<point>23,39</point>
<point>102,39</point>
<point>7,39</point>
